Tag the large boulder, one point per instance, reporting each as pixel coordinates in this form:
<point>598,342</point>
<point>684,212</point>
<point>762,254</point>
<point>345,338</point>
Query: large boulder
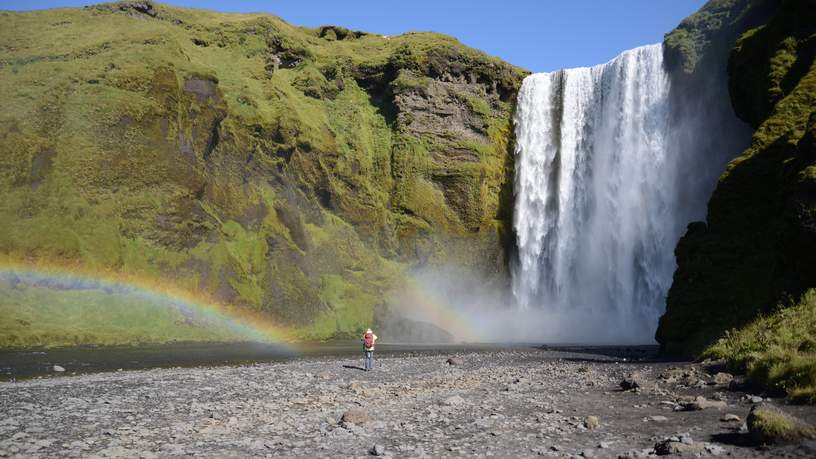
<point>769,425</point>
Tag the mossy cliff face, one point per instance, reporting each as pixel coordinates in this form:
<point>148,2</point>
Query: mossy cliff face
<point>297,172</point>
<point>757,247</point>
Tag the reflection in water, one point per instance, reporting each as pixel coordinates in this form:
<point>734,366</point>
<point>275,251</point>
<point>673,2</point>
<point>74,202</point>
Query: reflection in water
<point>28,364</point>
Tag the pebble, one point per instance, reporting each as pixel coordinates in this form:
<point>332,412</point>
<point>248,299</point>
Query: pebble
<point>592,422</point>
<point>714,450</point>
<point>453,401</point>
<point>58,369</point>
<point>315,407</point>
<point>355,416</point>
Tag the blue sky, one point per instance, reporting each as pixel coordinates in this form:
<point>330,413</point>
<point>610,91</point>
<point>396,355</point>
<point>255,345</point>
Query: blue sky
<point>540,35</point>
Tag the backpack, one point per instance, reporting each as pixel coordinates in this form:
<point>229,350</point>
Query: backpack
<point>368,340</point>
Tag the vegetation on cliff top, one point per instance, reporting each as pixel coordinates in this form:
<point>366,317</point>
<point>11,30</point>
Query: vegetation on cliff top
<point>296,172</point>
<point>709,34</point>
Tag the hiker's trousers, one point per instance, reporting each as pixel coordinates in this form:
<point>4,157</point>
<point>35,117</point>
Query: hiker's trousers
<point>369,360</point>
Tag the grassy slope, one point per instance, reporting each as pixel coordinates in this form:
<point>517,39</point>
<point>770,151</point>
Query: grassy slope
<point>39,316</point>
<point>776,351</point>
<point>164,143</point>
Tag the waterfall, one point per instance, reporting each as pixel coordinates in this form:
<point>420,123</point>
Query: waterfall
<point>605,186</point>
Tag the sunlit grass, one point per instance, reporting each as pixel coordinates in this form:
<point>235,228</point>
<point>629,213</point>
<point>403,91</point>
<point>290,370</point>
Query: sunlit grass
<point>35,316</point>
<point>777,351</point>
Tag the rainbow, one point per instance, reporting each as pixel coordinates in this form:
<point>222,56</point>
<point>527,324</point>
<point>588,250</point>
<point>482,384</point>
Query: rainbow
<point>239,321</point>
<point>427,305</point>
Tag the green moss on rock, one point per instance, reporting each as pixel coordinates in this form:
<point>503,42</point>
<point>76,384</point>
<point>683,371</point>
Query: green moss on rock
<point>284,170</point>
<point>769,425</point>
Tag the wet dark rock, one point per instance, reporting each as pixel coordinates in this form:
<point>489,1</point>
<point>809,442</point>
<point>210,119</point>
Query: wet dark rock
<point>633,381</point>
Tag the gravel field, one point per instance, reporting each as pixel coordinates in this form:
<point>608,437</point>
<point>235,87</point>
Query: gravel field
<point>499,403</point>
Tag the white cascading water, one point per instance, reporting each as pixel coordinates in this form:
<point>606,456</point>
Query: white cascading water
<point>599,207</point>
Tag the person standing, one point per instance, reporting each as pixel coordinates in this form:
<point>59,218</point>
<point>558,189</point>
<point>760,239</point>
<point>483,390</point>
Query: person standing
<point>369,339</point>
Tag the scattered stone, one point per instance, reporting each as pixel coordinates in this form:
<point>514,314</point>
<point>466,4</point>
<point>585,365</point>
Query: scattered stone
<point>637,454</point>
<point>728,417</point>
<point>754,399</point>
<point>723,379</point>
<point>267,409</point>
<point>769,425</point>
<point>58,369</point>
<point>355,416</point>
<point>657,418</point>
<point>808,446</point>
<point>455,361</point>
<point>678,444</point>
<point>700,403</point>
<point>453,401</point>
<point>736,384</point>
<point>633,381</point>
<point>592,422</point>
<point>714,450</point>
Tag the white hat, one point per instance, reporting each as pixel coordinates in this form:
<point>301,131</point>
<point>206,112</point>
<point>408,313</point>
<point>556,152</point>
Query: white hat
<point>369,331</point>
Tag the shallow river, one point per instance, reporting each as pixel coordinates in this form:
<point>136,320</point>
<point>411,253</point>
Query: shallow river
<point>75,360</point>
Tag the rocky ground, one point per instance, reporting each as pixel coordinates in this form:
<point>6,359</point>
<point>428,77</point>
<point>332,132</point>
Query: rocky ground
<point>513,403</point>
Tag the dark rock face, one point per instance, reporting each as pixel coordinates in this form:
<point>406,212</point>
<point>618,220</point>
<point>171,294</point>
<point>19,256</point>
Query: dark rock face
<point>753,252</point>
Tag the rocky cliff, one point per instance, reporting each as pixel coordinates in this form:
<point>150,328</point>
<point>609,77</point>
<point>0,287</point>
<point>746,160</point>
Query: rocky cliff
<point>296,172</point>
<point>755,250</point>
